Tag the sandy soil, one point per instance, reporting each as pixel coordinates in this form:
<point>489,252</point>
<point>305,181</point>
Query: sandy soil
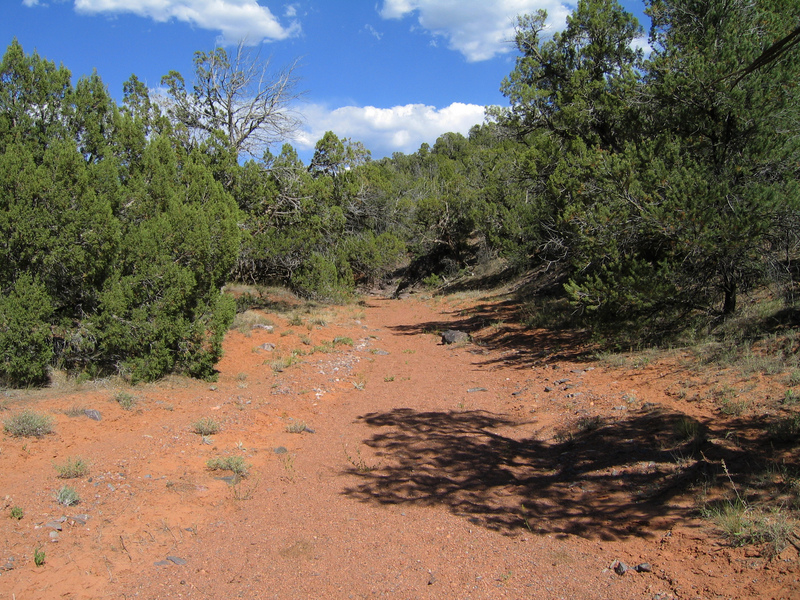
<point>509,467</point>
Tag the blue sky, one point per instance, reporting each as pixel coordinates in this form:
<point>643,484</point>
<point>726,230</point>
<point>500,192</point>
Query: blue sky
<point>389,73</point>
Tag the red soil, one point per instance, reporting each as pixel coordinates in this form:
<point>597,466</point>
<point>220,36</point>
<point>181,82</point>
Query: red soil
<point>512,467</point>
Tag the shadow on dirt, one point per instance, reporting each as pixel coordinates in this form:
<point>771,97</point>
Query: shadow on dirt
<point>600,480</point>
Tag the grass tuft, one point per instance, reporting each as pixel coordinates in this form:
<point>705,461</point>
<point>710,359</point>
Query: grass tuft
<point>72,468</point>
<point>205,426</point>
<point>28,424</point>
<point>235,464</point>
<point>67,496</point>
<point>125,400</point>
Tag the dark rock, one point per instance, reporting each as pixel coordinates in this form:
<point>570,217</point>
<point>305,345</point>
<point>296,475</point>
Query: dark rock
<point>620,568</point>
<point>93,414</point>
<point>453,336</point>
<point>644,568</point>
<point>547,388</point>
<point>177,560</point>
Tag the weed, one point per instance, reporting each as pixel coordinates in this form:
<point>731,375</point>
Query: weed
<point>686,429</point>
<point>243,493</point>
<point>73,468</point>
<point>587,424</point>
<point>28,424</point>
<point>125,400</point>
<point>358,461</point>
<point>305,340</point>
<point>16,513</point>
<point>359,381</point>
<point>794,377</point>
<point>246,321</point>
<point>296,427</point>
<point>296,321</point>
<point>388,378</point>
<point>282,363</point>
<point>790,399</point>
<point>341,340</point>
<point>408,351</point>
<point>287,460</point>
<point>67,496</point>
<point>235,464</point>
<point>75,411</point>
<point>205,426</point>
<point>785,430</point>
<point>38,557</point>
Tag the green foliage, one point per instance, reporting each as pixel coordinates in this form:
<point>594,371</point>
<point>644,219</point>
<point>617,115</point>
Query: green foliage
<point>235,464</point>
<point>67,496</point>
<point>26,347</point>
<point>16,513</point>
<point>28,424</point>
<point>205,426</point>
<point>118,241</point>
<point>73,467</point>
<point>39,557</point>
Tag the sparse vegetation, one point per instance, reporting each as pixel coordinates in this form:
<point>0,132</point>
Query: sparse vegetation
<point>125,400</point>
<point>234,464</point>
<point>28,424</point>
<point>296,427</point>
<point>73,468</point>
<point>16,513</point>
<point>206,426</point>
<point>39,557</point>
<point>67,496</point>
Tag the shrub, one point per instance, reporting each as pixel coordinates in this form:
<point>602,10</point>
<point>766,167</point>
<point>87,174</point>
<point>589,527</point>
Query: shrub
<point>28,424</point>
<point>73,468</point>
<point>67,496</point>
<point>235,464</point>
<point>125,400</point>
<point>205,426</point>
<point>16,513</point>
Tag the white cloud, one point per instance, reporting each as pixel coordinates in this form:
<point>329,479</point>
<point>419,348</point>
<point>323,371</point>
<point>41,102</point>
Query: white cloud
<point>235,19</point>
<point>388,130</point>
<point>478,29</point>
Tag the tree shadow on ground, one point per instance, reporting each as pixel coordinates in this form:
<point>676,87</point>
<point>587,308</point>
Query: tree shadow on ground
<point>601,480</point>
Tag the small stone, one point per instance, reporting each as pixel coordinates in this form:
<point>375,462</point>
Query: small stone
<point>162,563</point>
<point>547,388</point>
<point>54,536</point>
<point>93,414</point>
<point>267,328</point>
<point>280,450</point>
<point>477,389</point>
<point>54,525</point>
<point>620,568</point>
<point>268,347</point>
<point>644,568</point>
<point>177,560</point>
<point>381,352</point>
<point>80,519</point>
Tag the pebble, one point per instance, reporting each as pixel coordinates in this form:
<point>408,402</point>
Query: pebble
<point>477,389</point>
<point>267,328</point>
<point>177,560</point>
<point>280,450</point>
<point>54,525</point>
<point>268,347</point>
<point>80,519</point>
<point>54,536</point>
<point>620,568</point>
<point>644,568</point>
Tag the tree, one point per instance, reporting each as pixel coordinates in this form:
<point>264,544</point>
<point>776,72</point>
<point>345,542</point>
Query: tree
<point>238,95</point>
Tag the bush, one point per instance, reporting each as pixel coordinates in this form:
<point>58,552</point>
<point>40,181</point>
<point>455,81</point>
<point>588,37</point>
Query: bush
<point>67,496</point>
<point>28,424</point>
<point>205,426</point>
<point>235,464</point>
<point>26,345</point>
<point>72,468</point>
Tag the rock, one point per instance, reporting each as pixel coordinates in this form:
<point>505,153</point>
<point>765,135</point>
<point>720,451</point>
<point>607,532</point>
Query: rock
<point>9,565</point>
<point>620,568</point>
<point>162,563</point>
<point>547,388</point>
<point>80,519</point>
<point>54,536</point>
<point>644,568</point>
<point>268,347</point>
<point>177,560</point>
<point>478,389</point>
<point>54,525</point>
<point>380,352</point>
<point>280,450</point>
<point>453,336</point>
<point>267,328</point>
<point>93,414</point>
